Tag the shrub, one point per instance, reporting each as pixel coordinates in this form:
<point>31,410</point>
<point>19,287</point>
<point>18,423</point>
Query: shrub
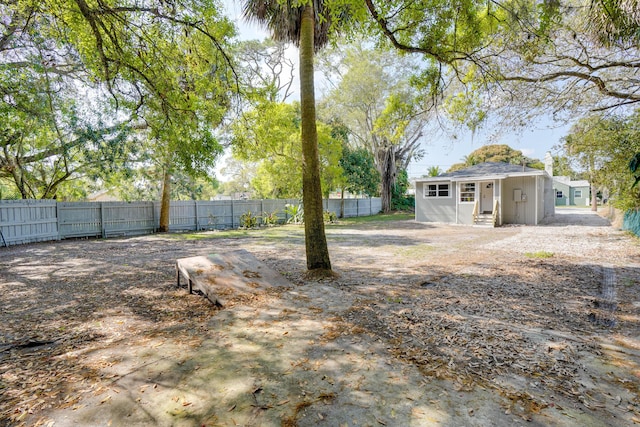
<point>270,219</point>
<point>295,213</point>
<point>248,220</point>
<point>330,217</point>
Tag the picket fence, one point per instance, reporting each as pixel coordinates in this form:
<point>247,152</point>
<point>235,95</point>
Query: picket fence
<point>27,221</point>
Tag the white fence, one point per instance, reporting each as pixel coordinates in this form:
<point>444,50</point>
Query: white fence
<point>25,221</point>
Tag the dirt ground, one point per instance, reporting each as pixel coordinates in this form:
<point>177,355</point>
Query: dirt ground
<point>426,325</point>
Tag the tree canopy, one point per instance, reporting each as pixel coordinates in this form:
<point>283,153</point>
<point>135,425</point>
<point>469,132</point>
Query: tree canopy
<point>151,65</point>
<point>603,146</point>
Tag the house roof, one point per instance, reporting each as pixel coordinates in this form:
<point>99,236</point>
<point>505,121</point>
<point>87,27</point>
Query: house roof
<point>568,182</point>
<point>488,170</point>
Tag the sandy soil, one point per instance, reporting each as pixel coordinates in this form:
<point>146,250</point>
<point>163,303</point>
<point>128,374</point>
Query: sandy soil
<point>426,325</point>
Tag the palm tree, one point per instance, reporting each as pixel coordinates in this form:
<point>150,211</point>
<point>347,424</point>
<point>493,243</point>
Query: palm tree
<point>434,171</point>
<point>301,25</point>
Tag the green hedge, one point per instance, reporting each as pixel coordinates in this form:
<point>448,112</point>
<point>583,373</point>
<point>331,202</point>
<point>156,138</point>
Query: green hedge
<point>632,221</point>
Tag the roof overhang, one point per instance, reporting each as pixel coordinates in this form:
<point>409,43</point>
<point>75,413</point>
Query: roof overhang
<point>481,177</point>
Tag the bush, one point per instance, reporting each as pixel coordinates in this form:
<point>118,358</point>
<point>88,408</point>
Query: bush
<point>248,220</point>
<point>270,219</point>
<point>295,213</point>
<point>330,217</point>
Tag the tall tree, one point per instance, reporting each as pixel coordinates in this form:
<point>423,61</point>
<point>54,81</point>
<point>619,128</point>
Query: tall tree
<point>602,145</point>
<point>306,24</point>
<point>162,64</point>
<point>269,137</point>
<point>374,99</point>
<point>554,56</point>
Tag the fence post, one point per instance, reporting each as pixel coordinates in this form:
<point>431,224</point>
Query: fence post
<point>102,226</point>
<point>153,217</point>
<point>233,225</point>
<point>195,202</point>
<point>57,222</point>
<point>370,207</point>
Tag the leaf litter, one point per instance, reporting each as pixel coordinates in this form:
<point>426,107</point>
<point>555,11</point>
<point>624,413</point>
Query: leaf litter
<point>480,317</point>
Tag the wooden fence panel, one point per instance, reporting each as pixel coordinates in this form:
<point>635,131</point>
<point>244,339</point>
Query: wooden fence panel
<point>26,221</point>
<point>79,219</point>
<point>127,219</point>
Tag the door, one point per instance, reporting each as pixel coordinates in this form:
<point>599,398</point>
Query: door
<point>486,197</point>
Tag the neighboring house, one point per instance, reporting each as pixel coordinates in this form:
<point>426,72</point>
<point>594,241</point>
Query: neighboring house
<point>571,193</point>
<point>103,196</point>
<point>488,193</point>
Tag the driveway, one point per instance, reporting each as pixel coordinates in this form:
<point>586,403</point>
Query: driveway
<point>577,216</point>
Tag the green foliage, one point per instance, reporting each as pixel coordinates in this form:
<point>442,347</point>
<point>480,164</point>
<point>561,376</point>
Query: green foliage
<point>539,254</point>
<point>359,171</point>
<point>634,167</point>
<point>81,77</point>
<point>434,171</point>
<point>248,220</point>
<point>606,148</point>
<point>295,213</point>
<point>269,135</point>
<point>499,153</point>
<point>562,166</point>
<point>399,199</point>
<point>270,218</point>
<point>456,167</point>
<point>330,217</point>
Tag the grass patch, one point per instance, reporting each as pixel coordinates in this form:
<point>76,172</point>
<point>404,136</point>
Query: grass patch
<point>279,232</point>
<point>415,251</point>
<point>286,231</point>
<point>539,254</point>
<point>395,216</point>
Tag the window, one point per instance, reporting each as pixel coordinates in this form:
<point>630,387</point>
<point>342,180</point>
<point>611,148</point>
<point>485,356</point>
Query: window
<point>559,195</point>
<point>577,194</point>
<point>436,190</point>
<point>468,192</point>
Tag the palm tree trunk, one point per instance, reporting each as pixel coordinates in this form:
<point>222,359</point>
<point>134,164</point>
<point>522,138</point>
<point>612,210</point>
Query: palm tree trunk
<point>315,239</point>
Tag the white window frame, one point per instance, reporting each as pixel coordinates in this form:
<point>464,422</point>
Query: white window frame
<point>577,194</point>
<point>437,190</point>
<point>559,194</point>
<point>466,192</point>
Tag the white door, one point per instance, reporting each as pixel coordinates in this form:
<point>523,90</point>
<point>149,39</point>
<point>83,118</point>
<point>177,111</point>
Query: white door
<point>486,197</point>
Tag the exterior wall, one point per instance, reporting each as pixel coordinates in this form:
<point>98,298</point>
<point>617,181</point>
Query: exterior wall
<point>436,209</point>
<point>465,209</point>
<point>569,195</point>
<point>522,211</point>
<point>549,199</point>
<point>583,200</point>
<point>565,200</point>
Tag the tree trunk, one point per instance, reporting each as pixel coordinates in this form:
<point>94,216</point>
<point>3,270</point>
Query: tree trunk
<point>594,198</point>
<point>387,168</point>
<point>165,203</point>
<point>315,239</point>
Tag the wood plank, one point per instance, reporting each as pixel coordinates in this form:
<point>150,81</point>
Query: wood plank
<point>222,276</point>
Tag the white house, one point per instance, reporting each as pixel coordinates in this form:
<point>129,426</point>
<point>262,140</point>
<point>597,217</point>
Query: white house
<point>488,194</point>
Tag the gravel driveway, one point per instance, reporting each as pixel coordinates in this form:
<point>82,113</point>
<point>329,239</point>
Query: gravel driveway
<point>426,324</point>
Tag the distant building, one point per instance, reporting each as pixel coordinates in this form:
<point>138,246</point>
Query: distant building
<point>103,196</point>
<point>486,194</point>
<point>571,193</point>
<point>568,192</point>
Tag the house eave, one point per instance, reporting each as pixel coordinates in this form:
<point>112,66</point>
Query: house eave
<point>481,177</point>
